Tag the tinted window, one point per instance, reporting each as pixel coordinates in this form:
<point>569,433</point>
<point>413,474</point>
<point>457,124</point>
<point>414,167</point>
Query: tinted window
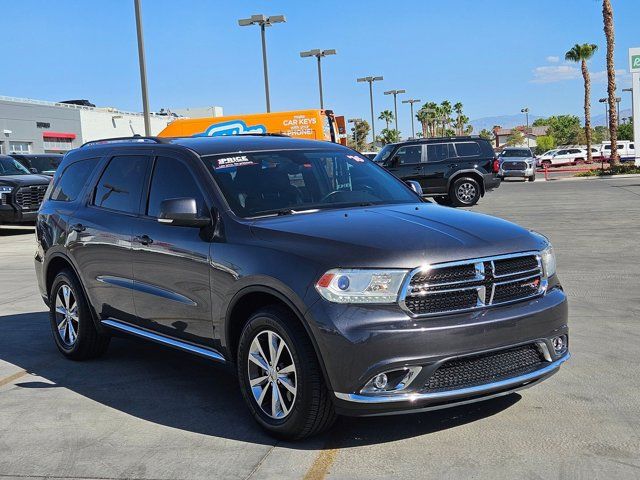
<point>631,146</point>
<point>72,180</point>
<point>290,181</point>
<point>440,151</point>
<point>172,179</point>
<point>521,152</point>
<point>468,149</point>
<point>10,166</point>
<point>407,155</point>
<point>383,154</point>
<point>120,185</point>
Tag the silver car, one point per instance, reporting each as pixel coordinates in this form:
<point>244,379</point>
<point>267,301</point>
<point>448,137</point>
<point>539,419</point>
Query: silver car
<point>517,162</point>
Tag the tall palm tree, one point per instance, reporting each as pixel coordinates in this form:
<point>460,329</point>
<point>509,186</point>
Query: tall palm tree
<point>607,15</point>
<point>582,53</point>
<point>423,117</point>
<point>386,116</point>
<point>446,110</point>
<point>432,115</point>
<point>457,107</point>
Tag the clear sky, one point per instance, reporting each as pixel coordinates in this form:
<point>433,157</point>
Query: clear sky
<point>493,56</point>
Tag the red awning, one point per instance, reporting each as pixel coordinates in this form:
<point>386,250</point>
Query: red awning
<point>58,135</point>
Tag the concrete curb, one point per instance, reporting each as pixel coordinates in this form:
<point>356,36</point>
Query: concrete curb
<point>606,177</point>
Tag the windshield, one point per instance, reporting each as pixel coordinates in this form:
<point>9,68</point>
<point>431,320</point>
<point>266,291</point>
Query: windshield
<point>523,152</point>
<point>45,164</point>
<point>383,154</point>
<point>9,166</point>
<point>292,181</point>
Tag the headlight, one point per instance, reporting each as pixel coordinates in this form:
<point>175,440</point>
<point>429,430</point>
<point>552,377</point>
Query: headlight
<point>5,189</point>
<point>361,286</point>
<point>548,261</point>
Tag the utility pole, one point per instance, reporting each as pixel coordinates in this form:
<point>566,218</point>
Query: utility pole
<point>411,101</point>
<point>525,110</point>
<point>395,94</point>
<point>143,69</point>
<point>319,54</point>
<point>355,122</point>
<point>264,22</point>
<point>606,111</point>
<point>370,80</point>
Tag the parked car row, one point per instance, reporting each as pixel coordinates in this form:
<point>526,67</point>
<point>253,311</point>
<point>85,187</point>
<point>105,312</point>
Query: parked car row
<point>577,155</point>
<point>328,285</point>
<point>21,192</point>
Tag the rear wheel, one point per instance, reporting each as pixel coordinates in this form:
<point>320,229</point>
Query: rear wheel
<point>532,178</point>
<point>464,192</point>
<point>546,163</point>
<point>578,161</point>
<point>73,329</point>
<point>280,376</point>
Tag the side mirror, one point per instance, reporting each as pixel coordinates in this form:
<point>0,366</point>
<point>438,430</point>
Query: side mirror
<point>415,186</point>
<point>33,170</point>
<point>182,212</point>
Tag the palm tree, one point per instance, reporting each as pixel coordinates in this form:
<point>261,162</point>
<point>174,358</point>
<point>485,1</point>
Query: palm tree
<point>445,110</point>
<point>457,107</point>
<point>386,116</point>
<point>423,117</point>
<point>582,53</point>
<point>607,15</point>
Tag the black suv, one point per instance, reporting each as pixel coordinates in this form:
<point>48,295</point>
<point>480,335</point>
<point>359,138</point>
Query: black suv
<point>20,192</point>
<point>44,163</point>
<point>326,283</point>
<point>453,170</point>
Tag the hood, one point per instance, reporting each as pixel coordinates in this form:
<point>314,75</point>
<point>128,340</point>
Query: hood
<point>22,180</point>
<point>393,236</point>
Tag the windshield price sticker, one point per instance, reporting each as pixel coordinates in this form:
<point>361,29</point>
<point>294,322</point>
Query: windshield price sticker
<point>237,161</point>
<point>356,158</point>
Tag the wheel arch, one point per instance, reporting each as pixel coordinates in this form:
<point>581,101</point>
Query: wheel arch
<point>475,174</point>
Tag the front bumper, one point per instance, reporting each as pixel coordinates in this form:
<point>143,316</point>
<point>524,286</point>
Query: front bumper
<point>361,341</point>
<point>529,172</point>
<point>11,214</point>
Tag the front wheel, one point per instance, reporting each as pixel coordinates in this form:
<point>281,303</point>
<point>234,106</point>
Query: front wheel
<point>465,192</point>
<point>280,376</point>
<point>532,178</point>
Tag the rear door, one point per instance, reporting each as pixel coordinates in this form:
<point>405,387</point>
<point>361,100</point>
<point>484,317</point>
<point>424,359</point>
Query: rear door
<point>407,163</point>
<point>440,157</point>
<point>101,234</point>
<point>171,263</point>
<point>562,157</point>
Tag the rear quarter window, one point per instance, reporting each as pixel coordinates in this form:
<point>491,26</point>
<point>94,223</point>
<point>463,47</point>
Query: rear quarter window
<point>72,179</point>
<point>468,149</point>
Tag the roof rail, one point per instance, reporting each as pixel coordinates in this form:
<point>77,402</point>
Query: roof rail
<point>133,139</point>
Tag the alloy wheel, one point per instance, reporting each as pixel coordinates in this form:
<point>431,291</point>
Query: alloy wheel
<point>67,319</point>
<point>466,192</point>
<point>272,374</point>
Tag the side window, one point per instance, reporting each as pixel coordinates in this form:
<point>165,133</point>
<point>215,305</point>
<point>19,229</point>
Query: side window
<point>72,180</point>
<point>120,186</point>
<point>631,147</point>
<point>438,152</point>
<point>408,155</point>
<point>172,179</point>
<point>468,149</point>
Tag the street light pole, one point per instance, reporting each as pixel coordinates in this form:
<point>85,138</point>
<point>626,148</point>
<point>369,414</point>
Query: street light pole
<point>143,69</point>
<point>525,110</point>
<point>411,101</point>
<point>630,90</point>
<point>395,94</point>
<point>319,54</point>
<point>355,122</point>
<point>606,111</point>
<point>618,100</point>
<point>264,22</point>
<point>373,126</point>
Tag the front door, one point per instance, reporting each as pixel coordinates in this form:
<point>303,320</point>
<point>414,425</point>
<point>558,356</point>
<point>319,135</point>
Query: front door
<point>407,163</point>
<point>171,263</point>
<point>439,157</point>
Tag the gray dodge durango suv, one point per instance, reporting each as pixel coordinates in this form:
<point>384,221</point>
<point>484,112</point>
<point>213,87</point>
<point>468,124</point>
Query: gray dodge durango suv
<point>325,282</point>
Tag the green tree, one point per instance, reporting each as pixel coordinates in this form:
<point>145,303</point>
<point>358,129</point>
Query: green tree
<point>600,134</point>
<point>486,134</point>
<point>358,138</point>
<point>544,143</point>
<point>564,128</point>
<point>445,115</point>
<point>607,17</point>
<point>582,53</point>
<point>387,117</point>
<point>515,138</point>
<point>625,131</point>
<point>389,136</point>
<point>427,116</point>
<point>460,118</point>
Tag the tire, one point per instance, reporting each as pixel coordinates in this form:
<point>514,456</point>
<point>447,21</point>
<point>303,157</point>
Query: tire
<point>306,411</point>
<point>71,321</point>
<point>579,161</point>
<point>464,192</point>
<point>546,163</point>
<point>532,178</point>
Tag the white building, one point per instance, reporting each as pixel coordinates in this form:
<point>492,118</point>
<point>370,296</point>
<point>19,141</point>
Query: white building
<point>502,135</point>
<point>37,126</point>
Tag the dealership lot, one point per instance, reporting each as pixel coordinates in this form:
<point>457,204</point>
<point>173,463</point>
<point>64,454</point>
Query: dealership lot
<point>147,412</point>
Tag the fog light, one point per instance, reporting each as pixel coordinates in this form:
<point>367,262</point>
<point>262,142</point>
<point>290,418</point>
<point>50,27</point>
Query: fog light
<point>559,344</point>
<point>380,381</point>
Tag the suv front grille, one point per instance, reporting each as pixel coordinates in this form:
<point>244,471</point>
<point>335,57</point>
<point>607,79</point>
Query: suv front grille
<point>460,286</point>
<point>485,368</point>
<point>514,165</point>
<point>30,198</point>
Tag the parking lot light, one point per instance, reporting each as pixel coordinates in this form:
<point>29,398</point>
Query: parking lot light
<point>525,110</point>
<point>411,101</point>
<point>319,54</point>
<point>395,94</point>
<point>355,122</point>
<point>370,80</point>
<point>263,21</point>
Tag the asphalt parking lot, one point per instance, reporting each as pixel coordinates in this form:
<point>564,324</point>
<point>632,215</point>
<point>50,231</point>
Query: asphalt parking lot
<point>146,412</point>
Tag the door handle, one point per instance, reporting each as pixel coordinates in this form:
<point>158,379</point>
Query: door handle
<point>143,239</point>
<point>78,227</point>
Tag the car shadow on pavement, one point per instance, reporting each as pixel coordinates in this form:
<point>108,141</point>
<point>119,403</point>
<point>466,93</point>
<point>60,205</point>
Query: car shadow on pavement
<point>175,389</point>
<point>9,230</point>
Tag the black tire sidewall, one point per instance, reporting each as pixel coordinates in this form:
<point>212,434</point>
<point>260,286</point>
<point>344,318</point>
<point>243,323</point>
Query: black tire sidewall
<point>454,189</point>
<point>296,419</point>
<point>65,278</point>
